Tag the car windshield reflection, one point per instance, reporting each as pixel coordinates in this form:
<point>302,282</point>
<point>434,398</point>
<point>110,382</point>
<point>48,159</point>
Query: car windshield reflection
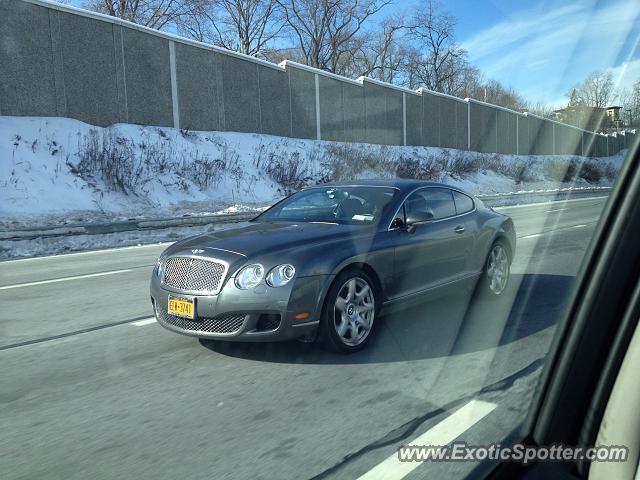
<point>352,205</point>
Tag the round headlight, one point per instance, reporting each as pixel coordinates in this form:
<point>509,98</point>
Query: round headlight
<point>249,276</point>
<point>280,275</point>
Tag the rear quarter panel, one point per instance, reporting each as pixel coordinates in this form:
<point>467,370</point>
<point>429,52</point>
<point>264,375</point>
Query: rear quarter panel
<point>492,226</point>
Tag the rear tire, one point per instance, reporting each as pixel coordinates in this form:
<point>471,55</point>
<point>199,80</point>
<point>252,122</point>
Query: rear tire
<point>349,312</point>
<point>496,272</point>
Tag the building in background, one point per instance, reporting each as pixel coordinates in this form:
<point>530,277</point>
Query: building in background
<point>596,119</point>
<point>614,118</point>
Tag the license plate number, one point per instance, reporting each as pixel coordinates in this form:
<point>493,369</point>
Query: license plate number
<point>181,307</point>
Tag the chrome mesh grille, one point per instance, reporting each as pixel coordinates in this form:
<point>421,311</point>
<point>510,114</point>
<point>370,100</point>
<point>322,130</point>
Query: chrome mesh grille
<point>193,274</point>
<point>223,323</point>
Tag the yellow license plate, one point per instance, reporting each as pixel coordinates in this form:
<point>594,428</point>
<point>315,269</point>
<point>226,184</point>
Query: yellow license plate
<point>181,307</point>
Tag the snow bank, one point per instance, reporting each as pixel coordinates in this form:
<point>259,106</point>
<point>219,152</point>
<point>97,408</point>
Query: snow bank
<point>49,169</point>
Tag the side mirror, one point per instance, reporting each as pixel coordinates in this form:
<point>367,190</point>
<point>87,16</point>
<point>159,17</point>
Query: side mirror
<point>397,223</point>
<point>418,218</point>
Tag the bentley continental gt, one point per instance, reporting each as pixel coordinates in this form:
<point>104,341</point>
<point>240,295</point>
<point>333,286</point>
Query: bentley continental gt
<point>323,262</point>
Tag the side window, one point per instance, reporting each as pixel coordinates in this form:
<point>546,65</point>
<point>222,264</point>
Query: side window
<point>440,201</point>
<point>463,202</point>
<point>416,202</point>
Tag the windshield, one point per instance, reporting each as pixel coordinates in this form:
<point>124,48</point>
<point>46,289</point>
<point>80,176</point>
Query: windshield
<point>348,205</point>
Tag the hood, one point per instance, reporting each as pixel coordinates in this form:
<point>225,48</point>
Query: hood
<point>261,238</point>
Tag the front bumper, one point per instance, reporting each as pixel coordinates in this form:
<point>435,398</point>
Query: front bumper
<point>259,314</point>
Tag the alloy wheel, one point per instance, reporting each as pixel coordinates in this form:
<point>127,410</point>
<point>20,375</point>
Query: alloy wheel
<point>498,269</point>
<point>354,311</point>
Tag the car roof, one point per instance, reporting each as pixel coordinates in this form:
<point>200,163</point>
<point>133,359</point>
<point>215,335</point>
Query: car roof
<point>402,184</point>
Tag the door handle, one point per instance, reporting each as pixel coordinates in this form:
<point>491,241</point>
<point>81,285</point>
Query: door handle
<point>459,229</point>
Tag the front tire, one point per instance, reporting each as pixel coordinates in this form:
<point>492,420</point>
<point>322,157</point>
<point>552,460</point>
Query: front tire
<point>497,270</point>
<point>349,312</point>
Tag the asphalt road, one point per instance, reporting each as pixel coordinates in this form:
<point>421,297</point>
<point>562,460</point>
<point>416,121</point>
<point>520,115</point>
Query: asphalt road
<point>90,388</point>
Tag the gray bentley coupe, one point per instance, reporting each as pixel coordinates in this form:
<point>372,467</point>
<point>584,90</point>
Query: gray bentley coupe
<point>325,261</point>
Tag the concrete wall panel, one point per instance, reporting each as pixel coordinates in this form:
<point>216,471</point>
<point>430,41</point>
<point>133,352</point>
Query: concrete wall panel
<point>600,146</point>
<point>27,85</point>
<point>331,109</point>
<point>354,112</point>
<point>559,140</point>
<point>394,134</point>
<point>240,89</point>
<point>383,120</point>
<point>571,143</point>
<point>633,141</point>
<point>148,78</point>
<point>275,107</point>
<point>414,119</point>
<point>448,137</point>
<point>430,120</point>
<point>535,135</point>
<point>483,128</point>
<point>303,103</point>
<point>576,142</point>
<point>375,117</point>
<point>89,69</point>
<point>543,144</point>
<point>462,121</point>
<point>524,140</point>
<point>199,92</point>
<point>588,144</point>
<point>506,132</point>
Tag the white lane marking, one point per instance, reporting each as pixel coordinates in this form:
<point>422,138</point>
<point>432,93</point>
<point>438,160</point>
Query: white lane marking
<point>555,210</point>
<point>64,279</point>
<point>146,321</point>
<point>90,252</point>
<point>549,202</point>
<point>443,433</point>
<point>534,235</point>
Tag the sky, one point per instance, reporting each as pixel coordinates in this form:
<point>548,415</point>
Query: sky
<point>542,48</point>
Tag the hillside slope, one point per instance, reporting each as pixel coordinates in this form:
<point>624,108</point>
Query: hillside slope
<point>65,170</point>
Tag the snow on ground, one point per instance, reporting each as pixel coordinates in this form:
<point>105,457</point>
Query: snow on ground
<point>59,170</point>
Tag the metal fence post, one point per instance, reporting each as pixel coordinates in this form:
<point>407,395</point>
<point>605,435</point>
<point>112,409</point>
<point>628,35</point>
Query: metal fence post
<point>317,82</point>
<point>404,119</point>
<point>174,84</point>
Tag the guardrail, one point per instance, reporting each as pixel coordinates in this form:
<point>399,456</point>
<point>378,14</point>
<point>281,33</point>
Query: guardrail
<point>124,226</point>
<point>48,231</point>
<point>535,196</point>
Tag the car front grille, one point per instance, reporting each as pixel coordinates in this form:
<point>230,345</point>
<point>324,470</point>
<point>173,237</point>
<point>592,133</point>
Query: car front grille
<point>223,323</point>
<point>193,274</point>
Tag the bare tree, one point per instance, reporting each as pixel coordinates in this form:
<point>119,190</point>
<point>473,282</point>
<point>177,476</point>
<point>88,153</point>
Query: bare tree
<point>541,109</point>
<point>245,26</point>
<point>325,30</point>
<point>150,13</point>
<point>497,94</point>
<point>440,59</point>
<point>382,54</point>
<point>630,102</point>
<point>595,91</point>
<point>467,80</point>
